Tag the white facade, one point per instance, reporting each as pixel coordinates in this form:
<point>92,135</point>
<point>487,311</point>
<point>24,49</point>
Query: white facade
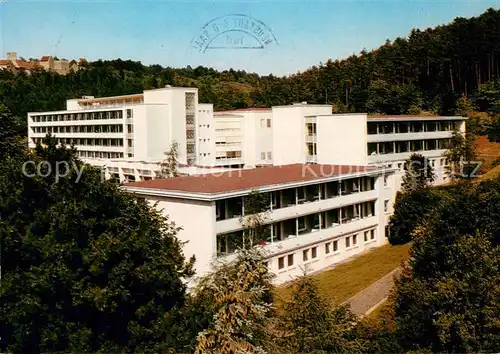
<point>131,128</point>
<point>139,129</point>
<point>244,137</point>
<point>313,222</point>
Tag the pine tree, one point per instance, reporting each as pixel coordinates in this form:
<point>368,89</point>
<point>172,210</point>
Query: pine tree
<point>418,173</point>
<point>169,166</point>
<point>241,293</point>
<point>314,325</point>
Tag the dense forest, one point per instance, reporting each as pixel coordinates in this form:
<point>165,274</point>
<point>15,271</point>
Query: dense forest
<point>429,70</point>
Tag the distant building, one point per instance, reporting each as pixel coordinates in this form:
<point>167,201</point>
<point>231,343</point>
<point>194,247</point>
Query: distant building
<point>46,62</point>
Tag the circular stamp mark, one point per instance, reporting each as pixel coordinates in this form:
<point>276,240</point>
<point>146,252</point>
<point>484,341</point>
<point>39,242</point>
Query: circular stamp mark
<point>234,31</point>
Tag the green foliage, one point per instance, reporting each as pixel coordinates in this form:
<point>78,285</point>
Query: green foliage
<point>493,130</point>
<point>256,207</point>
<point>169,166</point>
<point>241,294</point>
<point>393,99</point>
<point>461,156</point>
<point>431,70</point>
<point>85,267</point>
<point>448,297</point>
<point>488,97</point>
<point>409,211</point>
<point>312,325</point>
<point>418,173</point>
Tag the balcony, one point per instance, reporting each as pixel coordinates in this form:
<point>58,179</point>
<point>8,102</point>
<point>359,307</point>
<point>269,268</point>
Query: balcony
<point>292,210</point>
<point>409,136</point>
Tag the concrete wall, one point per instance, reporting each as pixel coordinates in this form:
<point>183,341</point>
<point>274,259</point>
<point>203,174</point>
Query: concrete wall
<point>205,141</point>
<point>157,128</point>
<point>341,139</point>
<point>197,235</point>
<point>289,130</point>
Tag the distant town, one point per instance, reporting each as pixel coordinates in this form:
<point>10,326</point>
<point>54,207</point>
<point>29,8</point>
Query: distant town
<point>46,62</point>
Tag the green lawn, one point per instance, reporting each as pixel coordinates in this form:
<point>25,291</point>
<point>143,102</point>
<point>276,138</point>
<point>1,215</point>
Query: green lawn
<point>349,278</point>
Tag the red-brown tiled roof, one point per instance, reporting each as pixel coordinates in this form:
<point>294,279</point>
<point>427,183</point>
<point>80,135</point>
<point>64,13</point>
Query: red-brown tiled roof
<point>45,58</point>
<point>239,180</point>
<point>4,62</point>
<point>26,65</point>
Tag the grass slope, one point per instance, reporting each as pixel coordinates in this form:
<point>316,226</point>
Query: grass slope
<point>347,279</point>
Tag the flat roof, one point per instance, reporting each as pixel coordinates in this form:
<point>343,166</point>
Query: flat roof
<point>111,98</point>
<point>381,117</point>
<point>250,110</point>
<point>248,179</point>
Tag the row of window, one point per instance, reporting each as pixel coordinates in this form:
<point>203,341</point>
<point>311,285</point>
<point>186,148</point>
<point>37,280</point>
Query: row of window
<point>295,227</point>
<point>331,247</point>
<point>395,147</point>
<point>88,141</point>
<point>100,154</point>
<point>233,207</point>
<point>410,127</point>
<point>109,128</point>
<point>63,117</point>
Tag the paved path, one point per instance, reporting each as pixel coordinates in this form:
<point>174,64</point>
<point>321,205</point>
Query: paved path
<point>367,299</point>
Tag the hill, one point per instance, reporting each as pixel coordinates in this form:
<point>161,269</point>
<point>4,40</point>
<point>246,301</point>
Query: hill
<point>429,70</point>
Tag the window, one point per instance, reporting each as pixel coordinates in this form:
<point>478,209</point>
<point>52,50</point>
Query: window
<point>347,242</point>
<point>367,235</point>
<point>386,205</point>
<point>354,240</point>
<point>262,123</point>
<point>130,128</point>
<point>269,123</point>
<point>281,262</point>
<point>327,248</point>
<point>301,195</point>
<point>314,252</point>
<point>290,260</point>
<point>262,155</point>
<point>372,234</point>
<point>385,180</point>
<point>129,113</point>
<point>130,143</point>
<point>335,246</point>
<point>305,255</point>
<point>269,155</point>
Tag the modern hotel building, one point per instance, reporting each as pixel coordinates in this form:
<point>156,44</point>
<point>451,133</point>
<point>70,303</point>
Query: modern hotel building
<point>318,215</point>
<point>317,218</point>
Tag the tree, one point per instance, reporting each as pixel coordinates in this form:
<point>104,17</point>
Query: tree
<point>418,173</point>
<point>447,299</point>
<point>410,210</point>
<point>85,267</point>
<point>10,143</point>
<point>312,325</point>
<point>169,166</point>
<point>241,294</point>
<point>461,156</point>
<point>256,207</point>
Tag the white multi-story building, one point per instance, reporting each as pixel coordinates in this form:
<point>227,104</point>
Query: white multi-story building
<point>331,178</point>
<point>244,137</point>
<point>129,135</point>
<point>318,215</point>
